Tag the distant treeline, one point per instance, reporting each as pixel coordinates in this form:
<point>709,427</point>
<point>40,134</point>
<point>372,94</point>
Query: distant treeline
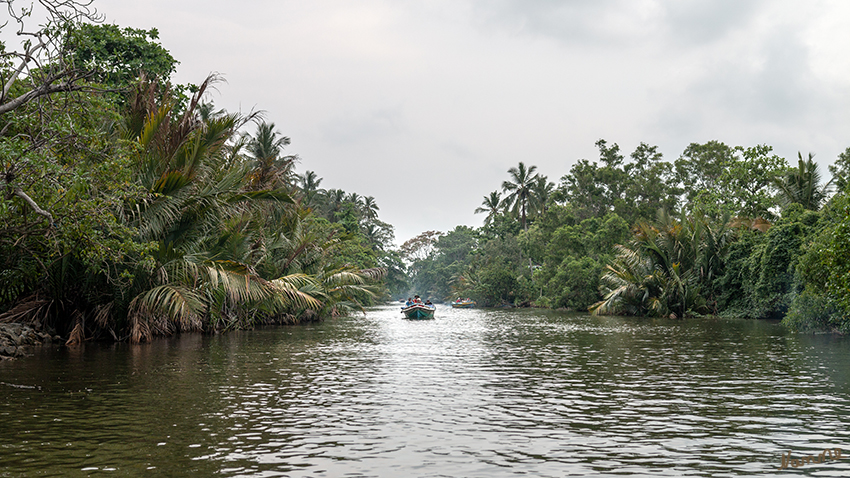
<point>722,230</point>
<point>132,207</point>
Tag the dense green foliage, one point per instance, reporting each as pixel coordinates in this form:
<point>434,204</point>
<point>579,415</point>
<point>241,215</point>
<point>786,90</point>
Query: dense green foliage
<point>572,255</point>
<point>117,56</point>
<point>131,210</point>
<point>722,230</point>
<point>132,207</point>
<point>823,271</point>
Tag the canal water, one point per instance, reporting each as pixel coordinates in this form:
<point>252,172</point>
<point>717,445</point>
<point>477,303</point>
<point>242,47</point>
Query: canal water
<point>472,393</point>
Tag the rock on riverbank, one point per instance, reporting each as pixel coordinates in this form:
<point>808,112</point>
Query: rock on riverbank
<point>15,338</point>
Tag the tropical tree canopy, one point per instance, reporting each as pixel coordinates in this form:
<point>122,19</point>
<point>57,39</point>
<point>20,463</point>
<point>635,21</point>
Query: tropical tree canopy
<point>162,216</point>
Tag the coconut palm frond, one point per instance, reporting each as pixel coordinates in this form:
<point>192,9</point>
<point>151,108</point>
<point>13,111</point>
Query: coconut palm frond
<point>152,124</point>
<point>352,290</point>
<point>344,307</point>
<point>802,185</point>
<point>30,310</point>
<point>181,307</point>
<point>350,276</point>
<point>374,274</point>
<point>277,195</point>
<point>292,291</point>
<point>613,301</point>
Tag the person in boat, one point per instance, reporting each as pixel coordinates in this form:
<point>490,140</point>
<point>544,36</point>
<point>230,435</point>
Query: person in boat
<point>428,302</point>
<point>409,302</point>
<point>416,299</point>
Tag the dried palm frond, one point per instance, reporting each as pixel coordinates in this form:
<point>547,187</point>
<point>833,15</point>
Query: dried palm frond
<point>77,335</point>
<point>102,314</point>
<point>31,310</point>
<point>139,330</point>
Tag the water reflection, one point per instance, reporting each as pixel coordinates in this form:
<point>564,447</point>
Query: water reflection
<point>472,393</point>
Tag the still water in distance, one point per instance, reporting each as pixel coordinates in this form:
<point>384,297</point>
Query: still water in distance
<point>486,393</point>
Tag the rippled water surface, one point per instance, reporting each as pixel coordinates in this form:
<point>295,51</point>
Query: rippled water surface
<point>473,393</point>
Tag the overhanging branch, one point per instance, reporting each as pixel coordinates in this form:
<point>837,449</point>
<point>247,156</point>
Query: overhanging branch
<point>35,207</point>
<point>43,90</point>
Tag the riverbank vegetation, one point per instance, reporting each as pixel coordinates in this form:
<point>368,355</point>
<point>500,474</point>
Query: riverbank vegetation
<point>132,207</point>
<point>721,230</point>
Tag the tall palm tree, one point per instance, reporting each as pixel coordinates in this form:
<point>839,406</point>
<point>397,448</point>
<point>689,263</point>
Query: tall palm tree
<point>370,208</point>
<point>542,190</point>
<point>520,190</point>
<point>270,169</point>
<point>355,199</point>
<point>334,200</point>
<point>492,205</point>
<point>310,183</point>
<point>802,184</point>
<point>375,235</point>
<point>207,111</point>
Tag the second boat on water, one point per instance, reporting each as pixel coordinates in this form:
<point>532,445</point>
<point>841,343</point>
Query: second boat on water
<point>463,304</point>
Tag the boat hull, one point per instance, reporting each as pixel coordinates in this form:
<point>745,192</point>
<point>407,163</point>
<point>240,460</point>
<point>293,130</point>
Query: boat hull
<point>418,312</point>
<point>463,305</point>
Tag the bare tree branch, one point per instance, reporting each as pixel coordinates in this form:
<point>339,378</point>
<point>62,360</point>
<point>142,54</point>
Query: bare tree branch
<point>44,89</point>
<point>35,207</point>
<point>42,66</point>
<point>57,11</point>
<point>27,57</point>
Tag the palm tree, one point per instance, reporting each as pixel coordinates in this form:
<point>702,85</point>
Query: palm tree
<point>375,235</point>
<point>667,268</point>
<point>492,205</point>
<point>270,169</point>
<point>334,200</point>
<point>802,184</point>
<point>520,189</point>
<point>211,250</point>
<point>355,199</point>
<point>542,191</point>
<point>370,208</point>
<point>218,263</point>
<point>630,285</point>
<point>310,186</point>
<point>207,111</point>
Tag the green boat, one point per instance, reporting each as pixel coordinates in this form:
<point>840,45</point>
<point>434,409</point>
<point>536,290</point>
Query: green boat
<point>419,311</point>
<point>463,304</point>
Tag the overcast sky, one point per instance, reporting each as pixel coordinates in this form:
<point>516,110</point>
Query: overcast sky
<point>426,104</point>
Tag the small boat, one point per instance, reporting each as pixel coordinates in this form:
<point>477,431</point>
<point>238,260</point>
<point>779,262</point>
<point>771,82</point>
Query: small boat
<point>419,311</point>
<point>463,304</point>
